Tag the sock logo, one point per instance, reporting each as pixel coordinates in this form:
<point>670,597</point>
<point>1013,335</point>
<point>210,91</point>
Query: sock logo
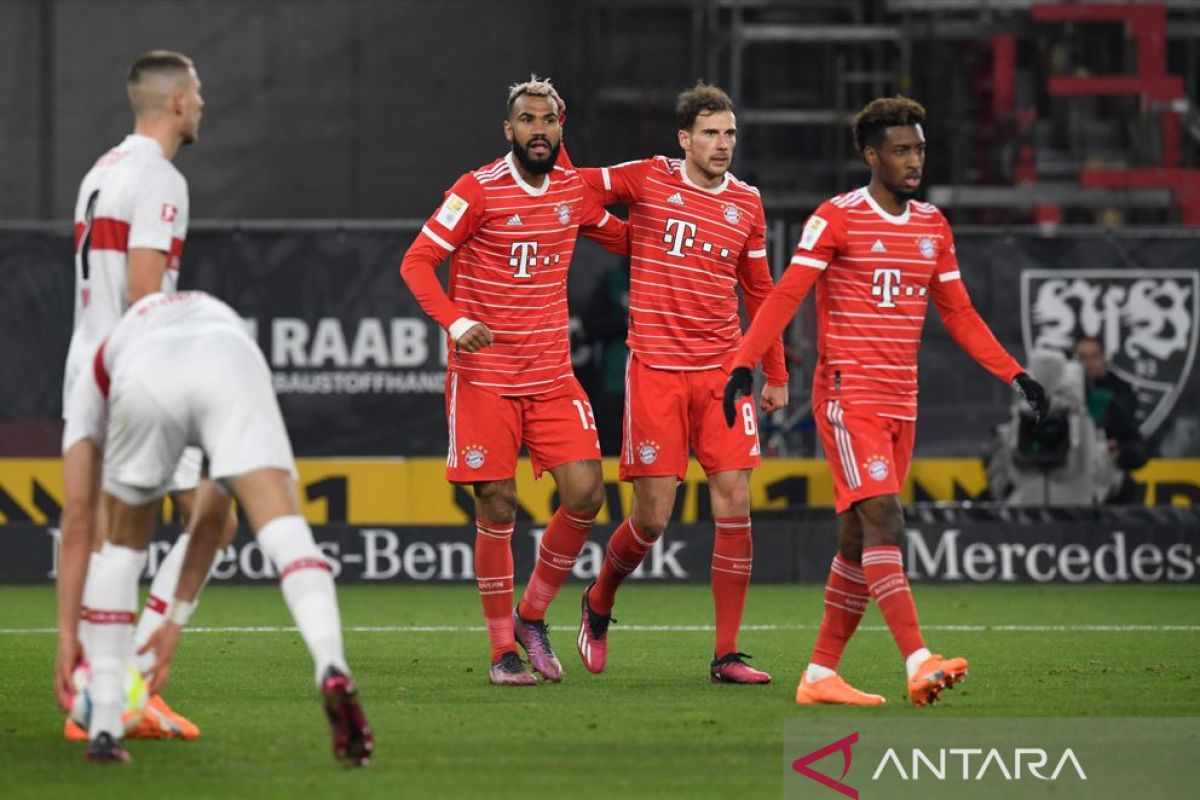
<point>843,746</point>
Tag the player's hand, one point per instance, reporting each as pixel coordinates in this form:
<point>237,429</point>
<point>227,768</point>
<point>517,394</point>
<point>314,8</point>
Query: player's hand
<point>773,398</point>
<point>477,337</point>
<point>70,653</point>
<point>163,642</point>
<point>740,384</point>
<point>1032,393</point>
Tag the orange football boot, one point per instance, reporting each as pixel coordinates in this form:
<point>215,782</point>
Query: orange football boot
<point>834,691</point>
<point>74,733</point>
<point>935,674</point>
<point>159,721</point>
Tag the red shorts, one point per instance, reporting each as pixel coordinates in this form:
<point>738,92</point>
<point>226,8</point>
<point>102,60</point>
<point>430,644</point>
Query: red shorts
<point>668,410</point>
<point>868,454</point>
<point>487,430</point>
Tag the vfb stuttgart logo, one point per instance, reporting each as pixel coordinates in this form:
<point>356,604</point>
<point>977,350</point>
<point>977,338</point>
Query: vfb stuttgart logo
<point>1146,320</point>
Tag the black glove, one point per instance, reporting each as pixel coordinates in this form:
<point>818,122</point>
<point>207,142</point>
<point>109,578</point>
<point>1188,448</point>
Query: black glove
<point>740,384</point>
<point>1032,393</point>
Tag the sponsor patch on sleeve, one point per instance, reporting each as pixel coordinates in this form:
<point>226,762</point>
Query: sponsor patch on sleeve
<point>451,211</point>
<point>812,232</point>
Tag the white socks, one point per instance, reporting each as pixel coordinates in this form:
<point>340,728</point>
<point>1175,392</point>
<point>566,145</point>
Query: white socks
<point>111,598</point>
<point>162,592</point>
<point>816,672</point>
<point>307,584</point>
<point>915,659</point>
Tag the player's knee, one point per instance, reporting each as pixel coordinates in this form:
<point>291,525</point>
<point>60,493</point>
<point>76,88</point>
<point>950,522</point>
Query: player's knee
<point>737,500</point>
<point>851,551</point>
<point>651,523</point>
<point>584,500</point>
<point>497,501</point>
<point>882,519</point>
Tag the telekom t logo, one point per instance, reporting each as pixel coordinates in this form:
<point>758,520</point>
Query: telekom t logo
<point>523,255</point>
<point>679,235</point>
<point>886,285</point>
<point>841,745</point>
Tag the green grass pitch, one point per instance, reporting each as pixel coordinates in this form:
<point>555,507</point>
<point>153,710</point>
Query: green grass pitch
<point>652,726</point>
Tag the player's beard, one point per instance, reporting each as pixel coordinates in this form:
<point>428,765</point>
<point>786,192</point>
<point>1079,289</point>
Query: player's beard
<point>539,167</point>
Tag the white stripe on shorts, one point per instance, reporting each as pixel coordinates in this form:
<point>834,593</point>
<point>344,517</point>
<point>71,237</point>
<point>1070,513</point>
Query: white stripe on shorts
<point>844,444</point>
<point>452,456</point>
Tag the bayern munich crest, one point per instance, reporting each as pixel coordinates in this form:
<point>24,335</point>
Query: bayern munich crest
<point>732,215</point>
<point>564,213</point>
<point>647,452</point>
<point>474,455</point>
<point>926,246</point>
<point>1147,322</point>
<point>877,467</point>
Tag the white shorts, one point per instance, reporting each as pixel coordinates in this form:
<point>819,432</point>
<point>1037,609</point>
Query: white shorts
<point>213,392</point>
<point>187,471</point>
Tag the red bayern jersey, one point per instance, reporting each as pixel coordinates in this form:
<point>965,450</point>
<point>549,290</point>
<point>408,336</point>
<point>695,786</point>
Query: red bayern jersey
<point>690,249</point>
<point>512,245</point>
<point>874,273</point>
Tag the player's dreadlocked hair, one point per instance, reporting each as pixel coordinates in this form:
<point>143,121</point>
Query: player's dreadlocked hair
<point>701,98</point>
<point>535,87</point>
<point>882,113</point>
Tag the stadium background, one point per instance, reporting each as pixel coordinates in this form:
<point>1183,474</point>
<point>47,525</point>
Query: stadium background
<point>1063,147</point>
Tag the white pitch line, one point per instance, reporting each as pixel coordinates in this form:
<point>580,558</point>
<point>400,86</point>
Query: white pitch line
<point>1132,628</point>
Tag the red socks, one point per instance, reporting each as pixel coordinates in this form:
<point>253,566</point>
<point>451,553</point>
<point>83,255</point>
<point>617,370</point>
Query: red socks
<point>846,598</point>
<point>494,576</point>
<point>560,545</point>
<point>626,549</point>
<point>884,573</point>
<point>733,552</point>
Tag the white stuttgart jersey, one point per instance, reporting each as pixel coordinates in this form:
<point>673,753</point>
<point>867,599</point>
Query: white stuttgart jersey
<point>132,198</point>
<point>179,317</point>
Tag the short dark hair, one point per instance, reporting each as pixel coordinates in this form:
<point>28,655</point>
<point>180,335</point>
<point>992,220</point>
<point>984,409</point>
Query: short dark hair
<point>157,61</point>
<point>871,124</point>
<point>701,98</point>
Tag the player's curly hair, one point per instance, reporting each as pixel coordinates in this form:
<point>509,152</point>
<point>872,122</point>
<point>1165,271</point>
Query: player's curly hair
<point>701,98</point>
<point>534,87</point>
<point>882,113</point>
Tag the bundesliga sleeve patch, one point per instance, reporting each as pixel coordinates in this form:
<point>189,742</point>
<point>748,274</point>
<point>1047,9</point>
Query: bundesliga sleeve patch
<point>451,211</point>
<point>812,232</point>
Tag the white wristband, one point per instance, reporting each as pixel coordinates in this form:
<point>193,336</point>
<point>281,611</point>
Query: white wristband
<point>180,612</point>
<point>459,327</point>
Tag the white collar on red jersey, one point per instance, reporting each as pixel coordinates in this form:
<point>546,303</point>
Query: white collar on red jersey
<point>148,144</point>
<point>901,219</point>
<point>534,191</point>
<point>714,190</point>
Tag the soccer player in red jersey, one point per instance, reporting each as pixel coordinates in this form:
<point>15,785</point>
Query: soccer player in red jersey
<point>698,233</point>
<point>876,255</point>
<point>510,228</point>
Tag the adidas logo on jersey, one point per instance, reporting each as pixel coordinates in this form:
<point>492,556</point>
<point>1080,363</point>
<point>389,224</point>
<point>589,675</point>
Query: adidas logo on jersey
<point>875,248</point>
<point>515,219</point>
<point>675,199</point>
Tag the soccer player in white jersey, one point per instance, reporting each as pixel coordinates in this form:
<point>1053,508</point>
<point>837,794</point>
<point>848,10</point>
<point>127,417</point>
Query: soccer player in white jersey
<point>131,220</point>
<point>180,370</point>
